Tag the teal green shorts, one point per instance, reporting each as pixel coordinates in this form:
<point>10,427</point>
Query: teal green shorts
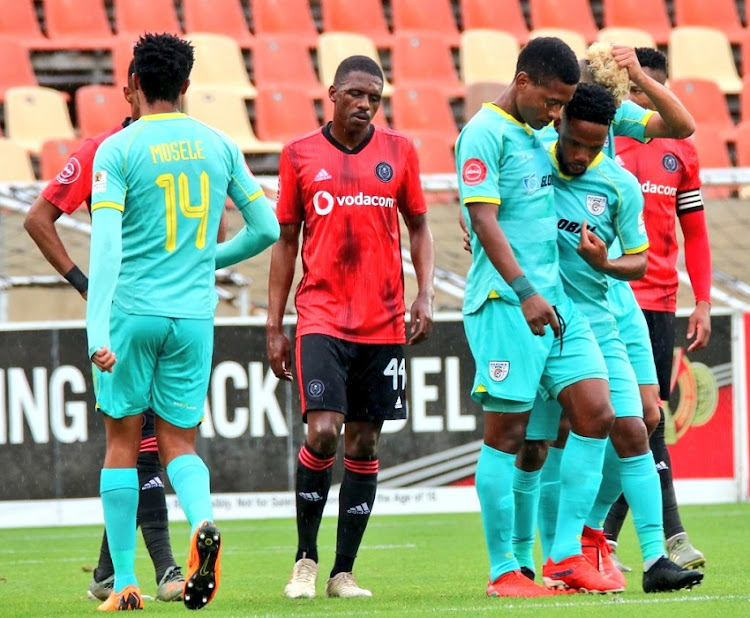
<point>633,331</point>
<point>162,363</point>
<point>512,362</point>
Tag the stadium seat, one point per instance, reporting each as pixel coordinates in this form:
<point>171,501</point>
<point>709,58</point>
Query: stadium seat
<point>434,151</point>
<point>632,14</point>
<point>634,37</point>
<point>743,153</point>
<point>566,14</point>
<point>122,54</point>
<point>422,109</point>
<point>433,16</point>
<point>487,55</point>
<point>227,112</point>
<point>34,115</point>
<point>707,104</point>
<point>134,17</point>
<point>363,17</point>
<point>271,52</point>
<point>576,41</point>
<point>225,17</point>
<point>284,113</point>
<point>424,58</point>
<point>55,154</point>
<point>478,93</point>
<point>719,14</point>
<point>78,24</point>
<point>15,68</point>
<point>333,47</point>
<point>291,17</point>
<point>219,64</point>
<point>15,163</point>
<point>712,153</point>
<point>505,15</point>
<point>705,53</point>
<point>18,21</point>
<point>99,109</point>
<point>745,99</point>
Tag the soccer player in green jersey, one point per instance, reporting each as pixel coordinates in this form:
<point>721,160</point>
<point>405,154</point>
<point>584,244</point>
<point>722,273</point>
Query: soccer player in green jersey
<point>158,192</point>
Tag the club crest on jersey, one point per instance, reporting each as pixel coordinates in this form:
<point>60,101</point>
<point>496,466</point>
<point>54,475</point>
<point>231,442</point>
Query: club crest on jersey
<point>70,172</point>
<point>474,172</point>
<point>100,182</point>
<point>384,171</point>
<point>499,370</point>
<point>669,162</point>
<point>596,204</point>
<point>315,388</point>
<point>532,184</point>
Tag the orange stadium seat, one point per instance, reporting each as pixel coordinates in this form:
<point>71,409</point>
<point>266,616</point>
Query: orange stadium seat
<point>18,21</point>
<point>364,16</point>
<point>707,104</point>
<point>225,17</point>
<point>634,37</point>
<point>424,58</point>
<point>695,51</point>
<point>333,47</point>
<point>434,16</point>
<point>575,39</point>
<point>99,109</point>
<point>55,154</point>
<point>271,52</point>
<point>487,55</point>
<point>219,64</point>
<point>78,24</point>
<point>15,68</point>
<point>712,153</point>
<point>34,115</point>
<point>434,151</point>
<point>719,14</point>
<point>284,17</point>
<point>478,93</point>
<point>15,163</point>
<point>632,14</point>
<point>122,54</point>
<point>745,99</point>
<point>743,144</point>
<point>505,15</point>
<point>282,114</point>
<point>567,14</point>
<point>422,109</point>
<point>134,17</point>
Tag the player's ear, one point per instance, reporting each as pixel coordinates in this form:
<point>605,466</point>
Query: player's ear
<point>332,93</point>
<point>185,86</point>
<point>522,81</point>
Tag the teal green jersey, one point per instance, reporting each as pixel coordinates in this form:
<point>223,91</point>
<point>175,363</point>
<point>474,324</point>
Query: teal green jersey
<point>501,161</point>
<point>609,199</point>
<point>169,175</point>
<point>630,121</point>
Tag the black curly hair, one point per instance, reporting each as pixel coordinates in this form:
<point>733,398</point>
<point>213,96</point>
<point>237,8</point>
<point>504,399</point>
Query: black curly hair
<point>545,59</point>
<point>651,59</point>
<point>364,64</point>
<point>162,64</point>
<point>592,103</point>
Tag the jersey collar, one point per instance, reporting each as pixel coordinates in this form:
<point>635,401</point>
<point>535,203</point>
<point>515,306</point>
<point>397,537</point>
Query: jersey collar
<point>359,148</point>
<point>164,116</point>
<point>553,154</point>
<point>507,116</point>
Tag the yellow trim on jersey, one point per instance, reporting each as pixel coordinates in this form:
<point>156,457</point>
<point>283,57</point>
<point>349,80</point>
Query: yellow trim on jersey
<point>487,200</point>
<point>640,249</point>
<point>480,389</point>
<point>647,117</point>
<point>493,294</point>
<point>507,116</point>
<point>256,195</point>
<point>114,205</point>
<point>164,116</point>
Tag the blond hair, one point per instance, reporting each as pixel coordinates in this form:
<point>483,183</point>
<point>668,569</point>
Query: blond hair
<point>605,72</point>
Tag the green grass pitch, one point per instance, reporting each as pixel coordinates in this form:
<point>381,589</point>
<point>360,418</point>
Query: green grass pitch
<point>416,565</point>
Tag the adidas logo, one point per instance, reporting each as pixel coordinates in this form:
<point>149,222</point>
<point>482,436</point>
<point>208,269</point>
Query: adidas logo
<point>310,496</point>
<point>322,175</point>
<point>154,483</point>
<point>398,405</point>
<point>661,466</point>
<point>360,509</point>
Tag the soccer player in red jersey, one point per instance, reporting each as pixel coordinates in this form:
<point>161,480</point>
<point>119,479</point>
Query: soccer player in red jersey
<point>343,186</point>
<point>669,175</point>
<point>64,194</point>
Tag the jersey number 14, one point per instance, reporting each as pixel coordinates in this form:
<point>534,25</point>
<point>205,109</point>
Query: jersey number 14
<point>179,193</point>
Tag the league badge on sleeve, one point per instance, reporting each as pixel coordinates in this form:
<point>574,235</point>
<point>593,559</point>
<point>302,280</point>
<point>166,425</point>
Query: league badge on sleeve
<point>499,370</point>
<point>596,204</point>
<point>474,172</point>
<point>70,172</point>
<point>100,182</point>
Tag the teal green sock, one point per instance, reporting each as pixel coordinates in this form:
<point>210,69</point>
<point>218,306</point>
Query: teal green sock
<point>609,490</point>
<point>119,490</point>
<point>580,477</point>
<point>192,484</point>
<point>494,483</point>
<point>640,484</point>
<point>549,499</point>
<point>526,497</point>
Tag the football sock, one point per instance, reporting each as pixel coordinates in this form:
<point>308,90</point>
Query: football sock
<point>609,490</point>
<point>549,499</point>
<point>671,514</point>
<point>615,518</point>
<point>640,483</point>
<point>580,477</point>
<point>494,485</point>
<point>312,485</point>
<point>192,484</point>
<point>356,499</point>
<point>119,490</point>
<point>526,497</point>
<point>104,568</point>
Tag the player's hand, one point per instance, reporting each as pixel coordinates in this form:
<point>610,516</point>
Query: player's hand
<point>104,359</point>
<point>539,313</point>
<point>699,326</point>
<point>626,58</point>
<point>464,227</point>
<point>592,249</point>
<point>420,325</point>
<point>279,354</point>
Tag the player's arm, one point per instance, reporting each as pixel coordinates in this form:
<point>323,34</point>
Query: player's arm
<point>627,267</point>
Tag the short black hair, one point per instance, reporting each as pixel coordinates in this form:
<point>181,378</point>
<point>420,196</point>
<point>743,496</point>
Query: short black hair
<point>365,64</point>
<point>592,103</point>
<point>546,59</point>
<point>162,63</point>
<point>651,59</point>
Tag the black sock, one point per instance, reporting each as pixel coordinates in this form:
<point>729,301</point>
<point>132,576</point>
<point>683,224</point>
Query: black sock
<point>313,483</point>
<point>152,513</point>
<point>615,518</point>
<point>356,500</point>
<point>105,568</point>
<point>672,522</point>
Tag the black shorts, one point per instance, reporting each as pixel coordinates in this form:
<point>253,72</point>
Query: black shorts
<point>364,382</point>
<point>661,330</point>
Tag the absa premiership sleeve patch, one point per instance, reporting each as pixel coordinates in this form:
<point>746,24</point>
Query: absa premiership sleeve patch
<point>474,172</point>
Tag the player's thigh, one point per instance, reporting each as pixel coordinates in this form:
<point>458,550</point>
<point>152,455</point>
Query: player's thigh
<point>661,328</point>
<point>182,372</point>
<point>623,385</point>
<point>323,367</point>
<point>544,420</point>
<point>376,390</point>
<point>634,332</point>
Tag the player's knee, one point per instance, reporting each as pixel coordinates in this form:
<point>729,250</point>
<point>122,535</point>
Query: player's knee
<point>323,439</point>
<point>597,422</point>
<point>629,436</point>
<point>532,455</point>
<point>651,415</point>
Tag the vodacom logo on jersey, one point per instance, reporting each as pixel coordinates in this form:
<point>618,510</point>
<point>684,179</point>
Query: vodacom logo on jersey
<point>650,187</point>
<point>323,201</point>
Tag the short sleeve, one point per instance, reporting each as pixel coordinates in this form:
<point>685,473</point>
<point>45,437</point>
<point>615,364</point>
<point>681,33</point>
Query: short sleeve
<point>243,187</point>
<point>288,202</point>
<point>691,178</point>
<point>410,196</point>
<point>631,120</point>
<point>631,229</point>
<point>72,185</point>
<point>478,154</point>
<point>108,184</point>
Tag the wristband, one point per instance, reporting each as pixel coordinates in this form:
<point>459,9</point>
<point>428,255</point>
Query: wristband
<point>523,288</point>
<point>77,279</point>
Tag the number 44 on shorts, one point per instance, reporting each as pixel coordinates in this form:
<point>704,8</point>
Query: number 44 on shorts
<point>396,368</point>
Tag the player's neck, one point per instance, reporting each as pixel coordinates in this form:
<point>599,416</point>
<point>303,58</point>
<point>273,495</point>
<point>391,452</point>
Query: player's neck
<point>158,107</point>
<point>507,102</point>
<point>349,139</point>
